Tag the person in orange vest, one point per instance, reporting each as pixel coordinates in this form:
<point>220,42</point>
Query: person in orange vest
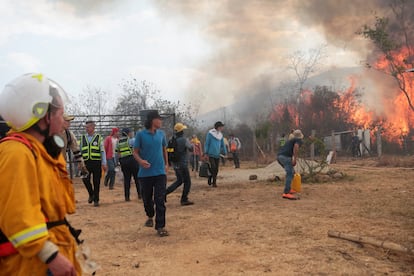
<point>234,148</point>
<point>36,192</point>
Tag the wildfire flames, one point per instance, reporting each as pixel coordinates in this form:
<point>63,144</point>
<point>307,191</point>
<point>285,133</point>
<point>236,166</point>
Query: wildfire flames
<point>395,124</point>
<point>400,121</point>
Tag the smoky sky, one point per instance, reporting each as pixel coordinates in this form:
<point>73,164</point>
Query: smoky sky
<point>251,39</point>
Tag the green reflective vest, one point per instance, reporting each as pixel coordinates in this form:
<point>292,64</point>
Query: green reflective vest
<point>123,147</point>
<point>282,142</point>
<point>92,150</point>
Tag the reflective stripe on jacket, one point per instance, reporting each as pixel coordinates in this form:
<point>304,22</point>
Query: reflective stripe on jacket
<point>123,147</point>
<point>92,150</point>
<point>36,188</point>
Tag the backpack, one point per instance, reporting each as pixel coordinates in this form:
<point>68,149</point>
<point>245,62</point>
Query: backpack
<point>172,150</point>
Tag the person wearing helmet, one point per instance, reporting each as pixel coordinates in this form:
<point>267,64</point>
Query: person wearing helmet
<point>181,165</point>
<point>129,165</point>
<point>36,192</point>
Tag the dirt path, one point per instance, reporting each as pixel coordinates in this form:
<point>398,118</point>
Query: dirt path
<point>245,228</point>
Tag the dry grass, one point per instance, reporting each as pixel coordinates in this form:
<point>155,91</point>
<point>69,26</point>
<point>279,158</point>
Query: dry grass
<point>396,161</point>
<point>245,227</point>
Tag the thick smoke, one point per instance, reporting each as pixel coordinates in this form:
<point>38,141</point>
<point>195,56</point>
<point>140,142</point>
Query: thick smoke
<point>85,8</point>
<point>251,39</point>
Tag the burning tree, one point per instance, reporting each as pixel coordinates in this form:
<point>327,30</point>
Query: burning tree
<point>393,38</point>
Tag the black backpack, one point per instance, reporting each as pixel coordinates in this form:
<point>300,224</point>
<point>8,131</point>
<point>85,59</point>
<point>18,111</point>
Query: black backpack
<point>172,150</point>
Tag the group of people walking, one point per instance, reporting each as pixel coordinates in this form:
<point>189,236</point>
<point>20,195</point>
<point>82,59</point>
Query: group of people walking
<point>35,236</point>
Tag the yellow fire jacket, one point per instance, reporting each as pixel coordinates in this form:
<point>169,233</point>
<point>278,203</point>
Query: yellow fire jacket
<point>34,188</point>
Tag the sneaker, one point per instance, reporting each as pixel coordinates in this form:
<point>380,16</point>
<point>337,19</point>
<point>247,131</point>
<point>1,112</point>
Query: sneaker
<point>162,232</point>
<point>90,199</point>
<point>292,191</point>
<point>96,204</point>
<point>187,202</point>
<point>149,222</point>
<point>289,196</point>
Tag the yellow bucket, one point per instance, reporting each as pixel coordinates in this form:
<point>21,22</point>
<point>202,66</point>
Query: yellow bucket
<point>297,183</point>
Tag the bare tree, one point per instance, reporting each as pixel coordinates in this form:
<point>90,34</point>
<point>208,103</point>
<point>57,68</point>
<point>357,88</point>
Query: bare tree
<point>142,95</point>
<point>303,64</point>
<point>92,101</point>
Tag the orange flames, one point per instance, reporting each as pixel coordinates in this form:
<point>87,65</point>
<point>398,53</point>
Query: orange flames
<point>399,118</point>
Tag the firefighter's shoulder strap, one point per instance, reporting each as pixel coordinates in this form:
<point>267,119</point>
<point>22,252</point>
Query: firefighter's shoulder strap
<point>19,138</point>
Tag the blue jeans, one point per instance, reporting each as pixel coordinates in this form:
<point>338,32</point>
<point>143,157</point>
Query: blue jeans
<point>286,163</point>
<point>153,192</point>
<point>110,175</point>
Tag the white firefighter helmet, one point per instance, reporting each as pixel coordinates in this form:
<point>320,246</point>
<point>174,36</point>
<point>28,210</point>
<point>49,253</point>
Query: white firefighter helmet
<point>25,100</point>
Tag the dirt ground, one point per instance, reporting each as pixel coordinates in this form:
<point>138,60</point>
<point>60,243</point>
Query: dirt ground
<point>244,227</point>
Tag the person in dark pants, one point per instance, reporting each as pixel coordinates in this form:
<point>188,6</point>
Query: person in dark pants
<point>110,144</point>
<point>93,154</point>
<point>213,146</point>
<point>129,165</point>
<point>150,151</point>
<point>287,157</point>
<point>196,153</point>
<point>356,150</point>
<point>234,148</point>
<point>181,165</point>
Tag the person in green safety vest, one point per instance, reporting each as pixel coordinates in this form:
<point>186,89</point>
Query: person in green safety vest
<point>129,165</point>
<point>93,154</point>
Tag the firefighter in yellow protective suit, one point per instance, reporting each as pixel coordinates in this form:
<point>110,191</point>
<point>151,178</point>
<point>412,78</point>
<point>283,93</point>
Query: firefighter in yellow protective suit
<point>36,192</point>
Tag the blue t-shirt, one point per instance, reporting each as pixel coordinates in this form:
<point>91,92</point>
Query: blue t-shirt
<point>150,147</point>
<point>287,149</point>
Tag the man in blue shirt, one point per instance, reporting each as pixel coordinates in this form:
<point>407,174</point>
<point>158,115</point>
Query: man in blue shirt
<point>213,146</point>
<point>151,154</point>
